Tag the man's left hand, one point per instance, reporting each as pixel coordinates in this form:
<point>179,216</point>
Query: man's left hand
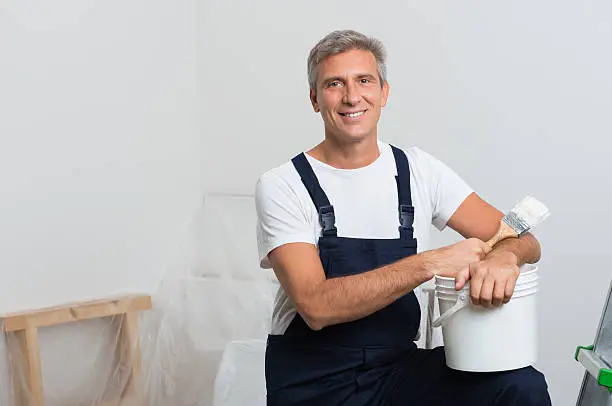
<point>492,280</point>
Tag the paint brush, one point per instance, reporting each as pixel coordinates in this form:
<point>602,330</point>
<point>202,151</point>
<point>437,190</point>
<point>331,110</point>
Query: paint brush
<point>527,213</point>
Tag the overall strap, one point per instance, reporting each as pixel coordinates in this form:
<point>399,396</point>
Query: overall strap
<point>405,208</point>
<point>327,218</point>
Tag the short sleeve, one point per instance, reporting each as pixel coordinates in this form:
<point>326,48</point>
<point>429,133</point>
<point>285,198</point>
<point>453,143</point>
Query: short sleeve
<point>448,190</point>
<point>280,217</point>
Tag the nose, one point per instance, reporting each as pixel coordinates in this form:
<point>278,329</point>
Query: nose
<point>351,95</point>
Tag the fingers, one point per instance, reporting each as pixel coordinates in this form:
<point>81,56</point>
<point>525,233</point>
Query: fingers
<point>480,247</point>
<point>461,278</point>
<point>486,292</point>
<point>485,248</point>
<point>491,287</point>
<point>509,290</point>
<point>499,292</point>
<point>476,282</point>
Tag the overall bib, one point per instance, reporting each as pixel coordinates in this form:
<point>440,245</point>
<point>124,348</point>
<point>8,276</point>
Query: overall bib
<point>374,360</point>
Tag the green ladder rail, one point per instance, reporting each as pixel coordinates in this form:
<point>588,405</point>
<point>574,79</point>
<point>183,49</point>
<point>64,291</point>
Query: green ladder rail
<point>596,389</point>
<point>595,366</point>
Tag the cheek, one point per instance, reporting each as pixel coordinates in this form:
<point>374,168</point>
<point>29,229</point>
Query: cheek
<point>327,104</point>
<point>373,97</point>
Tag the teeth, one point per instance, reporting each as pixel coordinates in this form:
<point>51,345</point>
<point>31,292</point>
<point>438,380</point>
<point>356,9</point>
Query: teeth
<point>354,114</point>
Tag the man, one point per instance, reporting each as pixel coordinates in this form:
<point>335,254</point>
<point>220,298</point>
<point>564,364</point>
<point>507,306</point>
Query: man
<point>341,226</point>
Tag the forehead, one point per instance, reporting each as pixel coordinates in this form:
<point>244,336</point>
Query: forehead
<point>353,62</point>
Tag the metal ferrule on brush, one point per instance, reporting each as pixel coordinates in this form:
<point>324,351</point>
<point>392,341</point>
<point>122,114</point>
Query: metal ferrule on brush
<point>518,225</point>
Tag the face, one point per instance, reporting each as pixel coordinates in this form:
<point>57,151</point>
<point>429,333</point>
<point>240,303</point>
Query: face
<point>349,95</point>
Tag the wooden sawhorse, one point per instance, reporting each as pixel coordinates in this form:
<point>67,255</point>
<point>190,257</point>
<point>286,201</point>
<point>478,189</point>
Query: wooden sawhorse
<point>24,326</point>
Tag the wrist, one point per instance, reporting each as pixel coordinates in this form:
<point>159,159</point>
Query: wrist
<point>425,268</point>
<point>525,249</point>
<point>505,255</point>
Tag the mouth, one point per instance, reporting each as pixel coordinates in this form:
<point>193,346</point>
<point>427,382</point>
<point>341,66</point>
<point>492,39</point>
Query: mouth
<point>353,114</point>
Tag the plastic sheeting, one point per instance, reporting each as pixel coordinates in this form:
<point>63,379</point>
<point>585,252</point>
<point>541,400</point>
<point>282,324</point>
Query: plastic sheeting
<point>240,380</point>
<point>202,343</point>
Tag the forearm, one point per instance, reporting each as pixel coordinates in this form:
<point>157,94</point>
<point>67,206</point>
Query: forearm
<point>526,249</point>
<point>348,298</point>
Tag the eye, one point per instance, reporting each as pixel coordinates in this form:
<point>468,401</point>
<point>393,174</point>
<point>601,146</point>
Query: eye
<point>334,83</point>
<point>364,80</point>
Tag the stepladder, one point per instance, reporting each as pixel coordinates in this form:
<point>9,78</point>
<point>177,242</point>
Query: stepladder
<point>23,347</point>
<point>596,389</point>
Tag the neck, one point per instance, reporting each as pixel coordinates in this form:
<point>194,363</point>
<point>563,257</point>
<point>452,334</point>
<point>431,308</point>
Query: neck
<point>351,155</point>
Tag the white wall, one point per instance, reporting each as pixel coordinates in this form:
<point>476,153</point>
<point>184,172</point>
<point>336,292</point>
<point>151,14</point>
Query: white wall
<point>104,144</point>
<point>515,96</point>
<point>100,163</point>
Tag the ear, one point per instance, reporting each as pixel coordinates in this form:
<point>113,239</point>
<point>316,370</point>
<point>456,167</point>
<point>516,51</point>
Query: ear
<point>313,100</point>
<point>385,94</point>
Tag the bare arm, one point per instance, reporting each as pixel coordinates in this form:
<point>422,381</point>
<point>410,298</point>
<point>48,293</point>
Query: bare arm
<point>476,218</point>
<point>323,302</point>
<point>493,278</point>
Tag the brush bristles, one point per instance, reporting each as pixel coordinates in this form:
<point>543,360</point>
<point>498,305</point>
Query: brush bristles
<point>528,213</point>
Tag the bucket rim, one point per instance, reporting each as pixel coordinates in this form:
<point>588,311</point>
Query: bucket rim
<point>452,296</point>
<point>522,274</point>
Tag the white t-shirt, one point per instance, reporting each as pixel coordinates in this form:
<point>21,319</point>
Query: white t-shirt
<point>365,204</point>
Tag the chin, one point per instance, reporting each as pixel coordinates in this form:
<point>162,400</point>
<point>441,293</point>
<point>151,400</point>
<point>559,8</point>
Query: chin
<point>356,136</point>
<point>353,135</point>
<point>349,139</point>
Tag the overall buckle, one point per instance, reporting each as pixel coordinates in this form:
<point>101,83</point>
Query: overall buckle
<point>406,217</point>
<point>327,219</point>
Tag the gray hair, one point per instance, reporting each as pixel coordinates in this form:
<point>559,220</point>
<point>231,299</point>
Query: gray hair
<point>337,42</point>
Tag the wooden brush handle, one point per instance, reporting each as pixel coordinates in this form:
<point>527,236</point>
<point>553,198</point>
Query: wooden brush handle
<point>504,231</point>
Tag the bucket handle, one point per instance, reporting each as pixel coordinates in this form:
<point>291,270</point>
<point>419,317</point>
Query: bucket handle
<point>462,301</point>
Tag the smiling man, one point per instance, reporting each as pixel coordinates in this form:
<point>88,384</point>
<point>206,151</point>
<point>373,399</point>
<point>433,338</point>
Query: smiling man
<point>344,227</point>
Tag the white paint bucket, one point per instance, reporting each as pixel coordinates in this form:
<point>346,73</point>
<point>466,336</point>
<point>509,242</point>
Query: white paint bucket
<point>480,339</point>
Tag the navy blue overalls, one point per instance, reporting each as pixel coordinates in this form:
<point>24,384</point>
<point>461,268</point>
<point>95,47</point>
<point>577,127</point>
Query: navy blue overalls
<point>374,360</point>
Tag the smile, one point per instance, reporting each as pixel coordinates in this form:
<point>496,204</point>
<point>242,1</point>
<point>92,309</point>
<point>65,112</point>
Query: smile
<point>353,115</point>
